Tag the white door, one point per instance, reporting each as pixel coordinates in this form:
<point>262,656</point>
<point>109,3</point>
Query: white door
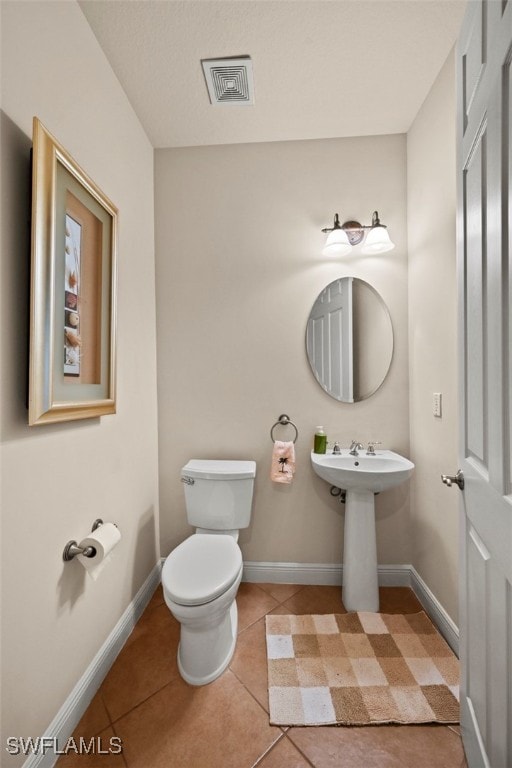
<point>485,273</point>
<point>329,339</point>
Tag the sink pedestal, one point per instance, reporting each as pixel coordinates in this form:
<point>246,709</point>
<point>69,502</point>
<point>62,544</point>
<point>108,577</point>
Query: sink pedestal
<point>361,476</point>
<point>360,579</point>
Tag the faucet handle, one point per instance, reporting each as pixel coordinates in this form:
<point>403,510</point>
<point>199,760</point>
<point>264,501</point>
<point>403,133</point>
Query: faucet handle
<point>370,451</point>
<point>336,448</point>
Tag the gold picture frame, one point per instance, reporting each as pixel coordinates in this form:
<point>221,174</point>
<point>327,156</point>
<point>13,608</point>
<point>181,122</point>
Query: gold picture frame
<point>72,361</point>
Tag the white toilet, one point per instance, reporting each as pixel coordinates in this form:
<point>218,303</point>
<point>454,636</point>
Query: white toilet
<point>200,578</point>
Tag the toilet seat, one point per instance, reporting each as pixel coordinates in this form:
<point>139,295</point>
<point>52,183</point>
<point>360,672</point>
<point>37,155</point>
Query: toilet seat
<point>201,568</point>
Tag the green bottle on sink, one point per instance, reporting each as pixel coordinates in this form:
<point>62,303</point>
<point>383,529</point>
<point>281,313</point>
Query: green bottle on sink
<point>320,441</point>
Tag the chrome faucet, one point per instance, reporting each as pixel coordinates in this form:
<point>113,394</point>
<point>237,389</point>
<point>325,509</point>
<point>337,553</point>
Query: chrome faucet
<point>370,451</point>
<point>355,447</point>
<point>336,448</point>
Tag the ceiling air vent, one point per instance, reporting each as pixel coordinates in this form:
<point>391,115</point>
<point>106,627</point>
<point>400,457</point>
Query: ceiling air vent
<point>229,80</point>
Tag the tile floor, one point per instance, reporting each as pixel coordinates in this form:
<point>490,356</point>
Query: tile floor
<point>165,723</point>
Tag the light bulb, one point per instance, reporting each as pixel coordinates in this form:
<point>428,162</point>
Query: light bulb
<point>377,241</point>
<point>337,243</point>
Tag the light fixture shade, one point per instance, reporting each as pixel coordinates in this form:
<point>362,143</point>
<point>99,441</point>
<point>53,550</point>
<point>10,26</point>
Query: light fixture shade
<point>337,243</point>
<point>377,241</point>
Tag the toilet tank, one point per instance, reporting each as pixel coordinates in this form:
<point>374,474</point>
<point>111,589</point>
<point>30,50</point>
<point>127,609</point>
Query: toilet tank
<point>218,493</point>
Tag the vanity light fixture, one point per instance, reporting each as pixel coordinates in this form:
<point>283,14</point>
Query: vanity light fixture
<point>342,237</point>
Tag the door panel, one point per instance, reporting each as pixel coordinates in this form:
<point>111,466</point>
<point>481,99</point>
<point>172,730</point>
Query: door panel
<point>507,269</point>
<point>473,56</point>
<point>474,196</point>
<point>485,292</point>
<point>478,559</point>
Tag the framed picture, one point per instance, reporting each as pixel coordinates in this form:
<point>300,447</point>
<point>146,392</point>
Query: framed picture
<point>73,290</point>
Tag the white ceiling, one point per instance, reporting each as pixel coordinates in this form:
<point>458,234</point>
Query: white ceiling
<point>322,68</point>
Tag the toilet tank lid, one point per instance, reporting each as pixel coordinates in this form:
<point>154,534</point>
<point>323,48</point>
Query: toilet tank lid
<point>219,469</point>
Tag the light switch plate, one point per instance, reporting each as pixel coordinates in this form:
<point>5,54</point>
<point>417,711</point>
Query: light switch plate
<point>437,403</point>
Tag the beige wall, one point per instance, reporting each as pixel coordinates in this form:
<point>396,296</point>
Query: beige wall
<point>57,479</point>
<point>432,337</point>
<point>239,265</point>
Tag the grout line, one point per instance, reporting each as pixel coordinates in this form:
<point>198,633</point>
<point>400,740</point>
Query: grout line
<point>279,604</point>
<point>255,584</point>
<point>143,701</point>
<point>241,631</point>
<point>269,749</point>
<point>105,704</point>
<point>300,587</point>
<point>308,761</point>
<point>122,750</point>
<point>258,702</point>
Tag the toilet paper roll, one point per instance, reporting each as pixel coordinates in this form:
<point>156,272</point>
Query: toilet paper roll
<point>103,539</point>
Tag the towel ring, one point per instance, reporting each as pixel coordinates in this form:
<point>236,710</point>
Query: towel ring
<point>282,421</point>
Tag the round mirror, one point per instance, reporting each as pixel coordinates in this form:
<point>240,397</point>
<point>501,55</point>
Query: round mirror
<point>349,340</point>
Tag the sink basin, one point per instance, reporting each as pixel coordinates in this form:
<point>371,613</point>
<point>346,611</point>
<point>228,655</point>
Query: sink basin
<point>380,472</point>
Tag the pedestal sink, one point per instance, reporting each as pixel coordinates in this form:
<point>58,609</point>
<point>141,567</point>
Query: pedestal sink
<point>361,477</point>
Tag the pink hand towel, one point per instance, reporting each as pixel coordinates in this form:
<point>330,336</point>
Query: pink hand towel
<point>283,462</point>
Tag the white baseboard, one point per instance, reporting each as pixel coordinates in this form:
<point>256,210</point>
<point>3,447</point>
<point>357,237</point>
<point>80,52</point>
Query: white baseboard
<point>292,573</point>
<point>66,720</point>
<point>319,573</point>
<point>332,574</point>
<point>435,610</point>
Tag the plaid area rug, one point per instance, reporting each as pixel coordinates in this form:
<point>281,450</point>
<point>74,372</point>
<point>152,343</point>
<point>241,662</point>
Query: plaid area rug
<point>359,669</point>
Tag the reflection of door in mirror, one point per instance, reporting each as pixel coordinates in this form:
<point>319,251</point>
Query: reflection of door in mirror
<point>329,339</point>
<point>349,340</point>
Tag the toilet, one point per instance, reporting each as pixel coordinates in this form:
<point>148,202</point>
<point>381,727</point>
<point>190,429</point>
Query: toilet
<point>200,578</point>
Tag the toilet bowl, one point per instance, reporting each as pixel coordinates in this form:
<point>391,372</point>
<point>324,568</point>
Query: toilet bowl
<point>200,579</point>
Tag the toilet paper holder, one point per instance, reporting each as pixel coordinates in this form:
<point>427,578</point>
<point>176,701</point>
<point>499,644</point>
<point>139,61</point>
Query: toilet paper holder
<point>72,549</point>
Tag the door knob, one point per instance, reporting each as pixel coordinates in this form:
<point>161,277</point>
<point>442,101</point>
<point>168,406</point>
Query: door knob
<point>458,479</point>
